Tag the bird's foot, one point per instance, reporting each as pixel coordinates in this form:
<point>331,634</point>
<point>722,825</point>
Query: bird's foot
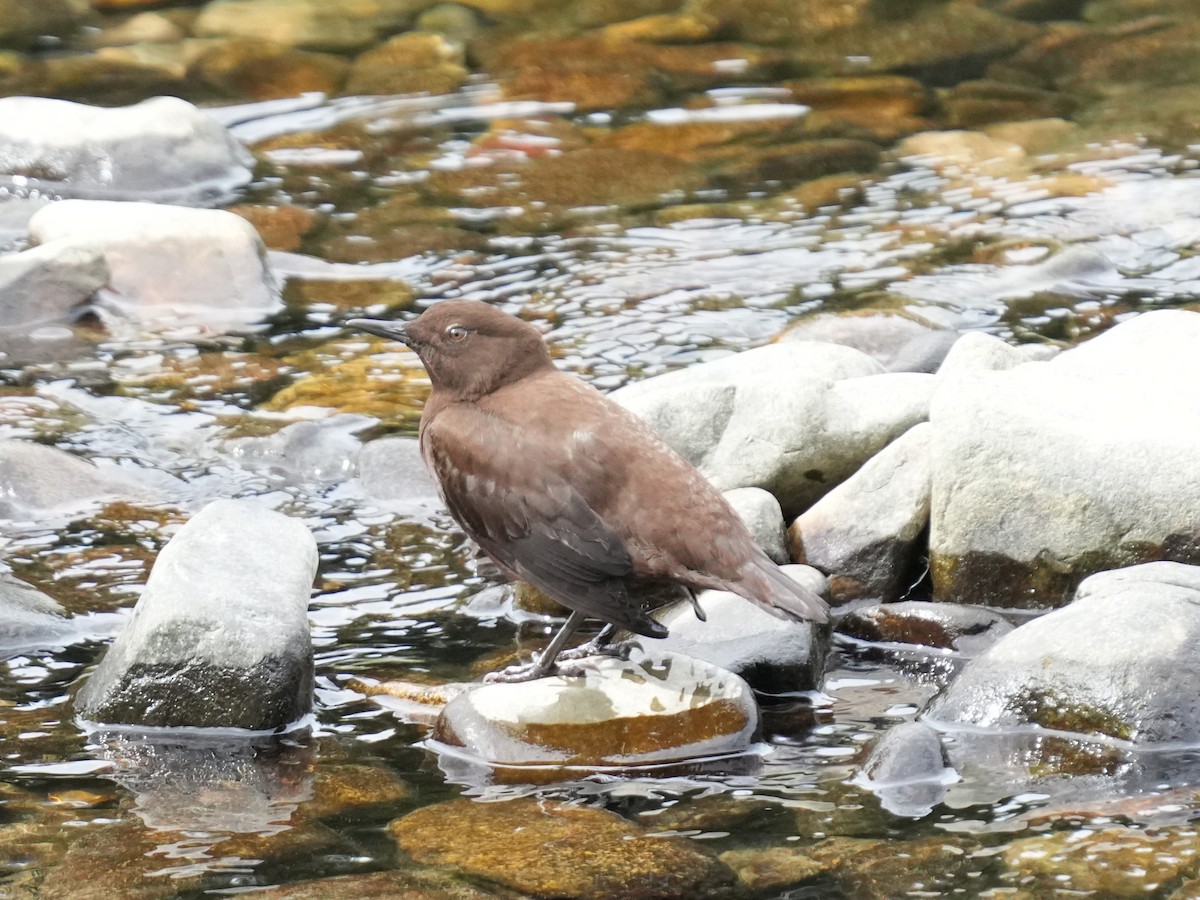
<point>621,650</point>
<point>518,674</point>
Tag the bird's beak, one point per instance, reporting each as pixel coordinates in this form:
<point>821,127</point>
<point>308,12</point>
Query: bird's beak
<point>393,331</point>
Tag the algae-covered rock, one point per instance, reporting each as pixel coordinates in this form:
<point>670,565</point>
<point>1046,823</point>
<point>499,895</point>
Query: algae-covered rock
<point>341,27</point>
<point>409,63</point>
<point>548,849</point>
<point>1047,472</point>
<point>1118,662</point>
<point>651,709</point>
<point>944,626</point>
<point>245,68</point>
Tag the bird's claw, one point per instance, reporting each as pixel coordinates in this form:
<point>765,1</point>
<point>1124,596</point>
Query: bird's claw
<point>621,650</point>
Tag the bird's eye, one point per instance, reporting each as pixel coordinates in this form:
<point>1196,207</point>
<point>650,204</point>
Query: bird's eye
<point>456,332</point>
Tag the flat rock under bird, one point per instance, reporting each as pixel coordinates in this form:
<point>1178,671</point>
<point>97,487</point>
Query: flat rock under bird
<point>568,490</point>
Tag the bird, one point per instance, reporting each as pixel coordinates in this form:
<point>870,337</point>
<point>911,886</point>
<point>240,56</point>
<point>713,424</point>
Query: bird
<point>564,488</point>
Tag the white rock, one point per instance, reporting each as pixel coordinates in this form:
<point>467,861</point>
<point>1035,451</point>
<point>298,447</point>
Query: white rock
<point>170,264</point>
<point>47,284</point>
<point>864,532</point>
<point>648,710</point>
<point>979,352</point>
<point>1049,471</point>
<point>28,618</point>
<point>908,770</point>
<point>219,637</point>
<point>391,469</point>
<point>793,418</point>
<point>763,516</point>
<point>163,149</point>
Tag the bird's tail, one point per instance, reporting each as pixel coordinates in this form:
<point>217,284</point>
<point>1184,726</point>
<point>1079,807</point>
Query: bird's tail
<point>769,587</point>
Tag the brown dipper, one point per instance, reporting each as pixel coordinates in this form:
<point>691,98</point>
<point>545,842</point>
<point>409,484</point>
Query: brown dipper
<point>568,490</point>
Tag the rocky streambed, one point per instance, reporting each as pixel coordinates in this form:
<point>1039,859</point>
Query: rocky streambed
<point>915,287</point>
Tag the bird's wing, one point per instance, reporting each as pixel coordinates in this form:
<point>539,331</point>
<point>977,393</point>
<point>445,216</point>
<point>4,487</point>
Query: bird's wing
<point>515,499</point>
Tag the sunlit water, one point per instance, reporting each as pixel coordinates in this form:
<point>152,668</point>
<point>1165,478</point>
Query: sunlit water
<point>619,299</point>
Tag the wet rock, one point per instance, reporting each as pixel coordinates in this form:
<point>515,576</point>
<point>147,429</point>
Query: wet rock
<point>774,655</point>
<point>396,884</point>
<point>410,63</point>
<point>24,24</point>
<point>863,533</point>
<point>163,149</point>
<point>1111,862</point>
<point>346,789</point>
<point>240,69</point>
<point>774,868</point>
<point>281,228</point>
<point>934,40</point>
<point>1116,662</point>
<point>664,28</point>
<point>324,451</point>
<point>169,265</point>
<point>762,515</point>
<point>48,284</point>
<point>908,770</point>
<point>899,342</point>
<point>651,709</point>
<point>883,107</point>
<point>346,26</point>
<point>781,21</point>
<point>883,870</point>
<point>971,104</point>
<point>219,637</point>
<point>795,418</point>
<point>38,481</point>
<point>968,630</point>
<point>1050,471</point>
<point>806,160</point>
<point>453,21</point>
<point>955,152</point>
<point>595,853</point>
<point>28,618</point>
<point>146,27</point>
<point>391,468</point>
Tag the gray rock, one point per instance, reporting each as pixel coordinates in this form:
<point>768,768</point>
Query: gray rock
<point>163,149</point>
<point>979,352</point>
<point>170,265</point>
<point>683,708</point>
<point>762,515</point>
<point>219,638</point>
<point>308,24</point>
<point>965,630</point>
<point>1119,661</point>
<point>37,481</point>
<point>1048,472</point>
<point>794,418</point>
<point>908,770</point>
<point>774,655</point>
<point>864,533</point>
<point>28,618</point>
<point>48,284</point>
<point>391,469</point>
<point>323,451</point>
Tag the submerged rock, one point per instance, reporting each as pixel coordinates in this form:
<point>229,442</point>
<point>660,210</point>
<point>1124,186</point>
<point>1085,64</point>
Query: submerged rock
<point>24,24</point>
<point>219,638</point>
<point>1119,662</point>
<point>324,451</point>
<point>28,618</point>
<point>48,284</point>
<point>897,342</point>
<point>1047,472</point>
<point>908,770</point>
<point>863,534</point>
<point>409,64</point>
<point>391,468</point>
<point>546,849</point>
<point>37,481</point>
<point>793,418</point>
<point>169,264</point>
<point>774,655</point>
<point>945,626</point>
<point>649,710</point>
<point>340,27</point>
<point>163,149</point>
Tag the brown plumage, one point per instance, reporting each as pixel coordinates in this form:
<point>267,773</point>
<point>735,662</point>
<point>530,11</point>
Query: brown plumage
<point>567,489</point>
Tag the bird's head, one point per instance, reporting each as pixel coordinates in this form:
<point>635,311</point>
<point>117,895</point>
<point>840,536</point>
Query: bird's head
<point>468,347</point>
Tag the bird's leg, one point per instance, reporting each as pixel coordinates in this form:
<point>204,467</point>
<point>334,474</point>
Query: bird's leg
<point>691,595</point>
<point>543,663</point>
